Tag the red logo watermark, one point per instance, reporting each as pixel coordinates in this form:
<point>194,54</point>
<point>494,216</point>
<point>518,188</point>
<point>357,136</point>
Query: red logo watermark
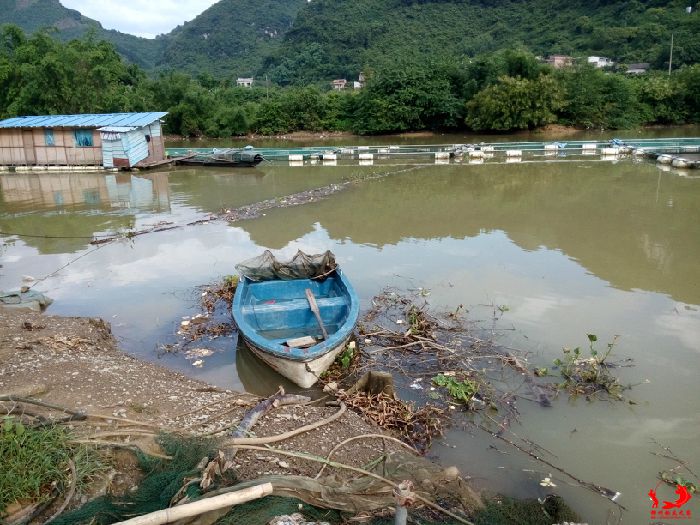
<point>671,510</point>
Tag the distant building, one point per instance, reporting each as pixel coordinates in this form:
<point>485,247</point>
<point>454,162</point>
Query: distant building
<point>244,82</point>
<point>559,61</point>
<point>121,140</point>
<point>360,82</point>
<point>601,62</point>
<point>339,83</point>
<point>638,69</point>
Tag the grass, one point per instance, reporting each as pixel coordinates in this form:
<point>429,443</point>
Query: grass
<point>30,460</point>
<point>34,462</point>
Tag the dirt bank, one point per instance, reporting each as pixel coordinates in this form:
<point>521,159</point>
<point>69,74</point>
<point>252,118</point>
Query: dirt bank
<point>76,363</point>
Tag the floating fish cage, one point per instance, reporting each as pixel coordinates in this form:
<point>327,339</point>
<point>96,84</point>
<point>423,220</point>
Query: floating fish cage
<point>471,153</point>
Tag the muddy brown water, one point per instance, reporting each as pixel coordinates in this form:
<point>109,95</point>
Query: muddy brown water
<point>567,248</point>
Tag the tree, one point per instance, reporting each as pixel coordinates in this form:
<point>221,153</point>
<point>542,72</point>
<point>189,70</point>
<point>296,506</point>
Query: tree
<point>407,96</point>
<point>515,103</point>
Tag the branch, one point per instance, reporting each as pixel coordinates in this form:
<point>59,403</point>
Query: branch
<point>334,464</point>
<point>364,436</point>
<point>291,433</point>
<point>71,492</point>
<point>196,508</point>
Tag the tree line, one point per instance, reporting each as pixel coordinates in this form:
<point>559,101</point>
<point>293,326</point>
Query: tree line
<point>502,91</point>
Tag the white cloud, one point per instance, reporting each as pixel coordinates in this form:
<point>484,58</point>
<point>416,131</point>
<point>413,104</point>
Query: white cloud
<point>683,323</point>
<point>146,18</point>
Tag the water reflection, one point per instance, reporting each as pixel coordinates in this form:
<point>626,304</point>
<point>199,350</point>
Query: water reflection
<point>616,221</point>
<point>32,191</point>
<point>61,212</point>
<point>569,247</point>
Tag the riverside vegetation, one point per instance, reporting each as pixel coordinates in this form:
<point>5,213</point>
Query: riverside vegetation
<point>501,91</point>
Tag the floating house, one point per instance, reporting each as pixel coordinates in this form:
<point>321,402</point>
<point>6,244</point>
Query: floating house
<point>114,140</point>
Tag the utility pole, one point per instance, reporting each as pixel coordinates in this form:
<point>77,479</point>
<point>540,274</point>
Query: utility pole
<point>670,58</point>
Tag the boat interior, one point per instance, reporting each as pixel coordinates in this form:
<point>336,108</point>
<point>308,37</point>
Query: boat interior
<point>279,310</point>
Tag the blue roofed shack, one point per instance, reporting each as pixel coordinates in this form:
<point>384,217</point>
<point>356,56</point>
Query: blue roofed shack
<point>113,140</point>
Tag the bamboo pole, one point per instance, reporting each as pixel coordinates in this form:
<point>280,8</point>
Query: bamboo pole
<point>196,508</point>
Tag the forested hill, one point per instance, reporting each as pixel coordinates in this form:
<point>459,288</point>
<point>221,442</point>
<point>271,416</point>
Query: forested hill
<point>229,39</point>
<point>300,41</point>
<point>338,38</point>
<point>32,15</point>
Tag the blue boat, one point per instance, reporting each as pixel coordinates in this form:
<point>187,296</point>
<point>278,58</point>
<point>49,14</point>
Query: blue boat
<point>297,326</point>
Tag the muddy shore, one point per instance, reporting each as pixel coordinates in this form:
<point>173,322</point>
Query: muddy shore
<point>76,363</point>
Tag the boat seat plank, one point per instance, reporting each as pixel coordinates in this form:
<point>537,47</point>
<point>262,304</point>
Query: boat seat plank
<point>294,304</point>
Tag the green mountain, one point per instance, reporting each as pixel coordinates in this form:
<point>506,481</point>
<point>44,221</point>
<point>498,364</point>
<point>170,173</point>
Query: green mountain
<point>231,38</point>
<point>32,15</point>
<point>339,38</point>
<point>305,41</point>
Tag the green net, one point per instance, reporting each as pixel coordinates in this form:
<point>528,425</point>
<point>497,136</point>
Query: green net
<point>162,480</point>
<point>263,510</point>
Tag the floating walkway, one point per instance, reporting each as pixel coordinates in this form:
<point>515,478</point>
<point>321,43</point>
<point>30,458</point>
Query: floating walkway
<point>679,152</point>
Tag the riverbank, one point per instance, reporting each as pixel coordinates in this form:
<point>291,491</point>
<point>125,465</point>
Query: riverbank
<point>75,363</point>
<point>548,132</point>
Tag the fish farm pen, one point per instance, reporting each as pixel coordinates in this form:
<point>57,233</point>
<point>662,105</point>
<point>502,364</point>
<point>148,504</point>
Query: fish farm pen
<point>679,152</point>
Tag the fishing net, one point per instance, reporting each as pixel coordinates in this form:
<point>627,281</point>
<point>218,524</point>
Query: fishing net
<point>266,267</point>
<point>162,480</point>
<point>262,511</point>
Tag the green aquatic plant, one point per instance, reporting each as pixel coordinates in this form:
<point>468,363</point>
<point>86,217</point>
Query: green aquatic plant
<point>592,375</point>
<point>462,391</point>
<point>347,355</point>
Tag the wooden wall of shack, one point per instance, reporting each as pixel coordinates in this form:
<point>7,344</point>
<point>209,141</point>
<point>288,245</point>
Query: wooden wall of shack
<point>28,147</point>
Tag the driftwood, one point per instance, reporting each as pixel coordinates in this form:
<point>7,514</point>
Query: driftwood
<point>368,493</point>
<point>201,506</point>
<point>69,496</point>
<point>251,416</point>
<point>593,487</point>
<point>288,435</point>
<point>74,416</point>
<point>224,460</point>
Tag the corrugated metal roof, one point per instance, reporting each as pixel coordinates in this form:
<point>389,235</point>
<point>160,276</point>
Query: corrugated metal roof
<point>117,129</point>
<point>84,121</point>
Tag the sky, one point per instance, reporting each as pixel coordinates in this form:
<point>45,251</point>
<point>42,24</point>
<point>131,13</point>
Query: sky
<point>146,18</point>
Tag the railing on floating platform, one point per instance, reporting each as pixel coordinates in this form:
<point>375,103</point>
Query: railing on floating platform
<point>477,153</point>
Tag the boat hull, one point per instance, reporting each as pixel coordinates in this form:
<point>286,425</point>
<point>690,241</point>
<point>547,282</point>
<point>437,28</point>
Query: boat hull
<point>302,373</point>
<point>219,163</point>
<point>272,315</point>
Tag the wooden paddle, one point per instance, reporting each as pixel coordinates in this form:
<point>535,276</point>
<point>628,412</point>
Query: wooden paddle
<point>314,308</point>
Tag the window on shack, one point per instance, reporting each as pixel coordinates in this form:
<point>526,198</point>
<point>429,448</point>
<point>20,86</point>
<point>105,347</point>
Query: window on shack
<point>48,137</point>
<point>83,138</point>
